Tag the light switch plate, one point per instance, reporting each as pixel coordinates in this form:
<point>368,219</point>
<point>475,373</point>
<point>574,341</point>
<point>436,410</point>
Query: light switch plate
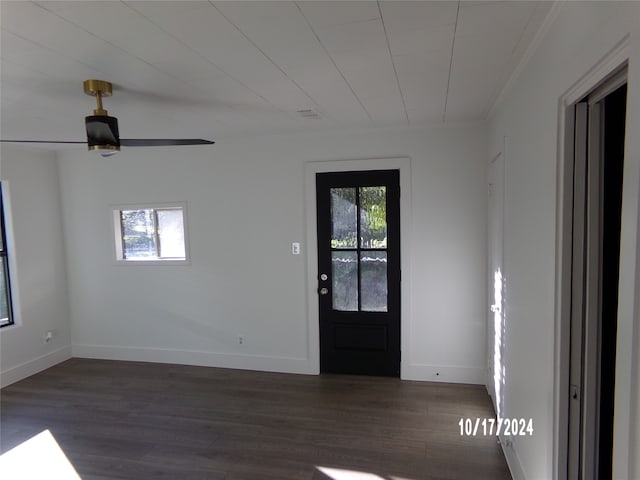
<point>295,248</point>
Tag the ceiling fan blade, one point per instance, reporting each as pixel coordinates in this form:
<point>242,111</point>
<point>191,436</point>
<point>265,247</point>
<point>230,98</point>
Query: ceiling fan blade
<point>40,141</point>
<point>162,142</point>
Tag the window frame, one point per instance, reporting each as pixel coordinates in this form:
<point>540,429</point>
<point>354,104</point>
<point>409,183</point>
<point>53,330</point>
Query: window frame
<point>116,220</point>
<point>4,253</point>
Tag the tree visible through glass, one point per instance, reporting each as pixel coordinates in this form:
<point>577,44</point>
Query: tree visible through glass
<point>358,244</point>
<point>150,234</point>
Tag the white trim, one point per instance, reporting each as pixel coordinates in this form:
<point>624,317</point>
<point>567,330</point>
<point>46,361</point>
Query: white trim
<point>26,369</point>
<point>311,169</point>
<point>194,357</point>
<point>616,58</point>
<point>612,61</point>
<point>526,57</point>
<point>563,265</point>
<point>512,457</point>
<point>438,373</point>
<point>610,85</point>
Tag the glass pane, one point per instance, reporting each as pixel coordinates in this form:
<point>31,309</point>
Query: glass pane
<point>373,277</point>
<point>171,233</point>
<point>373,217</point>
<point>4,293</point>
<point>138,235</point>
<point>344,269</point>
<point>343,218</point>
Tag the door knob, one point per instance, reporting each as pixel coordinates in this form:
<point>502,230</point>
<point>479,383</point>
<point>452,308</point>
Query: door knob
<point>324,291</point>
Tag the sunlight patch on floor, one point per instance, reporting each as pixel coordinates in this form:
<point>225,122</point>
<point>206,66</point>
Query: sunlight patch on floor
<point>340,474</point>
<point>38,457</point>
<point>343,474</point>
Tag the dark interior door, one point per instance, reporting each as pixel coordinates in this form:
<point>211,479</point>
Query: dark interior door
<point>359,272</point>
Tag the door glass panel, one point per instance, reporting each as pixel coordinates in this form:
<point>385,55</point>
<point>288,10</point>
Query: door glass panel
<point>343,218</point>
<point>373,217</point>
<point>373,275</point>
<point>344,269</point>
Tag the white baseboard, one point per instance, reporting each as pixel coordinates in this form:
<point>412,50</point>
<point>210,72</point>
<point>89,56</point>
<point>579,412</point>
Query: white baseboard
<point>431,373</point>
<point>197,358</point>
<point>26,369</point>
<point>444,373</point>
<point>511,455</point>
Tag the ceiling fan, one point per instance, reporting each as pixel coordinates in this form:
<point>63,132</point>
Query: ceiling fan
<point>102,130</point>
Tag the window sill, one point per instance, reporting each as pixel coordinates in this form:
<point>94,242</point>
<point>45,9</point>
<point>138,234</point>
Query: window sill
<point>154,262</point>
<point>9,327</point>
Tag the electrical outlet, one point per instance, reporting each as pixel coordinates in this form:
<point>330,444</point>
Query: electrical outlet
<point>240,339</point>
<point>48,336</point>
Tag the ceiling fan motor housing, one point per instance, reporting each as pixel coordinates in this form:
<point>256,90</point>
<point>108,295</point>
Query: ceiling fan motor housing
<point>102,134</point>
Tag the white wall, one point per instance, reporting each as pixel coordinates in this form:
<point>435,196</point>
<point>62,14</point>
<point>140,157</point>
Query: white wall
<point>580,36</point>
<point>38,274</point>
<point>246,204</point>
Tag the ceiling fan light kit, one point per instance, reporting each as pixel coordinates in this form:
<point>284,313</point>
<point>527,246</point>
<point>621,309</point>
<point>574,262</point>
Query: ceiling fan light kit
<point>103,135</point>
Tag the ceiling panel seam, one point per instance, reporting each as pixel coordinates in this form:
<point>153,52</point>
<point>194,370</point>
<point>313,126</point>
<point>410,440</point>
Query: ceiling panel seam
<point>52,12</point>
<point>453,44</point>
<point>44,47</point>
<point>315,34</point>
<point>265,55</point>
<point>393,63</point>
<point>205,59</point>
<point>499,86</point>
<point>210,62</point>
<point>120,49</point>
<point>246,67</point>
<point>532,47</point>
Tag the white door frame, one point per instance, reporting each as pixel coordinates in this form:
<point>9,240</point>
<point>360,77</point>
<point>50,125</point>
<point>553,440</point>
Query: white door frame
<point>613,61</point>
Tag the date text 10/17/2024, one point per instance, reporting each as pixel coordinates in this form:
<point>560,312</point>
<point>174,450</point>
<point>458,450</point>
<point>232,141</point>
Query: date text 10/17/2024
<point>472,427</point>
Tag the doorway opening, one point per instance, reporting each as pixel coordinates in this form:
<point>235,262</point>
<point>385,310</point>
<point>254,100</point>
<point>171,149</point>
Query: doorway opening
<point>597,136</point>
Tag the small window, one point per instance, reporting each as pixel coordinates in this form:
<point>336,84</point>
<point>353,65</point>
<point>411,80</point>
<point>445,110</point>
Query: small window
<point>150,234</point>
<point>6,313</point>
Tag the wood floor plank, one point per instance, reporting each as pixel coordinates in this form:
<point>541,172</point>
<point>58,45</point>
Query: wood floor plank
<point>133,420</point>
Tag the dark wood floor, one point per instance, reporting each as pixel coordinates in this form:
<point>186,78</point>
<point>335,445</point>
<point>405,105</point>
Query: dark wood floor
<point>128,420</point>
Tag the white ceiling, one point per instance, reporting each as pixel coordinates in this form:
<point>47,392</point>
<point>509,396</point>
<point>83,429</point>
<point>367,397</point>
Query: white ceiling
<point>215,69</point>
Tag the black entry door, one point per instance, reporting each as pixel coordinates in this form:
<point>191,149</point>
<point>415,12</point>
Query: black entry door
<point>359,272</point>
